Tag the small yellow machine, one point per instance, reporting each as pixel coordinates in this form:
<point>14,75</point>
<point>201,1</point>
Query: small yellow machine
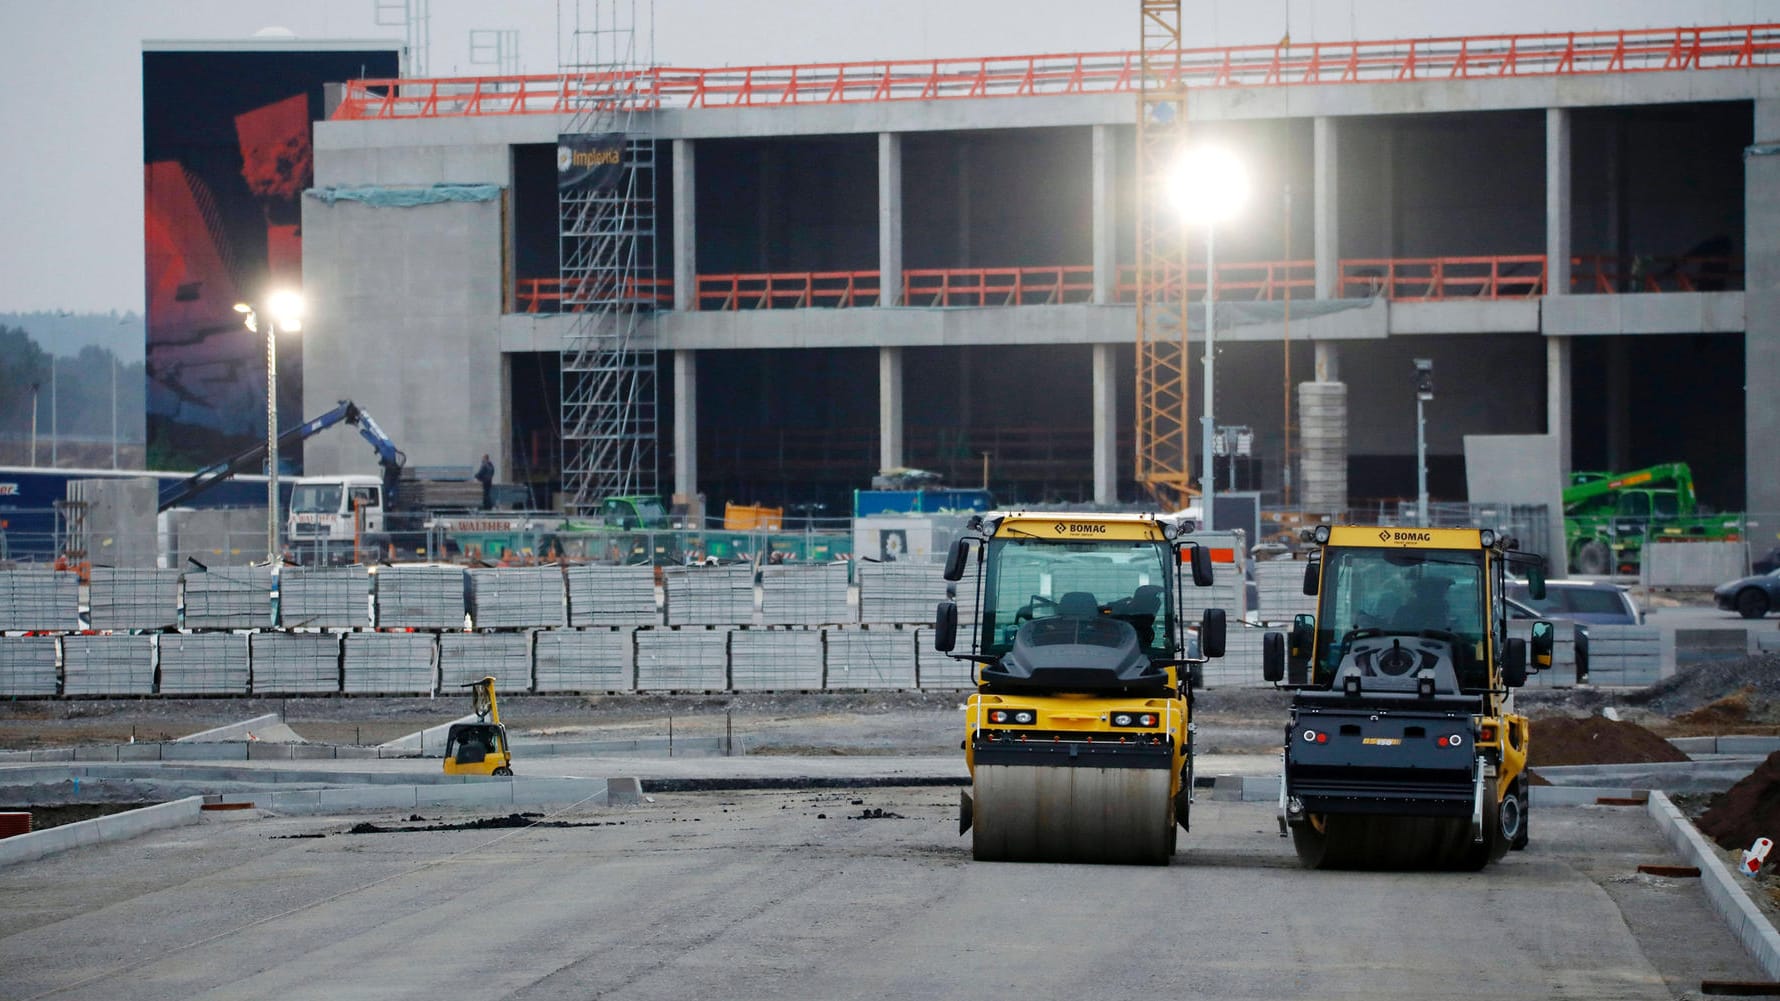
<point>1404,749</point>
<point>1079,737</point>
<point>479,748</point>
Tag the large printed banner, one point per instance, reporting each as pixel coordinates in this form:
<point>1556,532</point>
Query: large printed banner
<point>227,155</point>
<point>589,162</point>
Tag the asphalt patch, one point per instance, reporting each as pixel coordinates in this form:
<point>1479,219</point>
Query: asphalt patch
<point>511,820</point>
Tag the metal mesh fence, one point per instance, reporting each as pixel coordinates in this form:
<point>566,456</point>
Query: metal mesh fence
<point>36,600</point>
<point>295,663</point>
<point>109,665</point>
<point>420,597</point>
<point>709,596</point>
<point>203,663</point>
<point>612,596</point>
<point>123,598</point>
<point>1280,588</point>
<point>324,597</point>
<point>804,594</point>
<point>782,659</point>
<point>468,657</point>
<point>390,663</point>
<point>28,665</point>
<point>586,660</point>
<point>517,597</point>
<point>228,598</point>
<point>690,659</point>
<point>870,657</point>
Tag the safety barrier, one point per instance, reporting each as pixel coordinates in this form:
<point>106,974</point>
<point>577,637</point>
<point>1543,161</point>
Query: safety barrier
<point>1427,279</point>
<point>1624,655</point>
<point>1282,65</point>
<point>788,290</point>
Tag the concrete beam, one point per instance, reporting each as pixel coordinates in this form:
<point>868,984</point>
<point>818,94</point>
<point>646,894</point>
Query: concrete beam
<point>889,218</point>
<point>1645,313</point>
<point>685,225</point>
<point>889,408</point>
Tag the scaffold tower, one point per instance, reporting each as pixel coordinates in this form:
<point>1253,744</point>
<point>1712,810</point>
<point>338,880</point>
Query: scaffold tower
<point>607,232</point>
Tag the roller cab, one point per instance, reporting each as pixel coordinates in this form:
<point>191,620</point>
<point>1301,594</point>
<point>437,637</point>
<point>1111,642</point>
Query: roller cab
<point>1079,736</point>
<point>1403,749</point>
<point>479,747</point>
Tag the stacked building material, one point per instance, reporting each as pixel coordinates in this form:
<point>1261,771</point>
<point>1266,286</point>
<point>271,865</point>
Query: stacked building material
<point>585,660</point>
<point>517,597</point>
<point>1240,666</point>
<point>775,659</point>
<point>908,592</point>
<point>1279,586</point>
<point>468,657</point>
<point>937,670</point>
<point>870,657</point>
<point>295,663</point>
<point>420,597</point>
<point>108,665</point>
<point>688,660</point>
<point>122,598</point>
<point>436,492</point>
<point>709,596</point>
<point>804,594</point>
<point>612,596</point>
<point>203,663</point>
<point>324,597</point>
<point>39,600</point>
<point>228,597</point>
<point>28,665</point>
<point>390,663</point>
<point>1623,655</point>
<point>1322,440</point>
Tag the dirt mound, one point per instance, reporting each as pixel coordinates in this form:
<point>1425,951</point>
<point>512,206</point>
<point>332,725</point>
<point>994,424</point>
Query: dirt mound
<point>1732,710</point>
<point>1596,740</point>
<point>1748,810</point>
<point>1699,686</point>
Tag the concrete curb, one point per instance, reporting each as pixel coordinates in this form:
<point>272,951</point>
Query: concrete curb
<point>1746,921</point>
<point>479,794</point>
<point>232,731</point>
<point>116,827</point>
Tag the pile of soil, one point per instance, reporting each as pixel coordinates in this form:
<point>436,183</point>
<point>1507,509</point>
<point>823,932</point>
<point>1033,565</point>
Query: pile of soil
<point>1746,811</point>
<point>1754,680</point>
<point>1596,740</point>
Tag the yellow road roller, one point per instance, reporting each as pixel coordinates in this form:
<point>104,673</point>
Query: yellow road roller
<point>480,747</point>
<point>1403,748</point>
<point>1079,737</point>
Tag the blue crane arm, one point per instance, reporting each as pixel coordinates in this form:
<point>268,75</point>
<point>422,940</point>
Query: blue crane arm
<point>202,480</point>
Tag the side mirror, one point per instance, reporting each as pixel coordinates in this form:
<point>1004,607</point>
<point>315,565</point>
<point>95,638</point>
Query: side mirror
<point>1313,570</point>
<point>1544,638</point>
<point>1201,566</point>
<point>1514,663</point>
<point>1298,648</point>
<point>1536,581</point>
<point>955,560</point>
<point>945,626</point>
<point>1211,632</point>
<point>1273,657</point>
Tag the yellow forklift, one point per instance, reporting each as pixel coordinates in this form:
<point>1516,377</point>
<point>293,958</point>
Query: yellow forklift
<point>479,748</point>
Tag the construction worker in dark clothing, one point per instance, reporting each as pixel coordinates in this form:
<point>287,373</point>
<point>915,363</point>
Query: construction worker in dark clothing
<point>485,476</point>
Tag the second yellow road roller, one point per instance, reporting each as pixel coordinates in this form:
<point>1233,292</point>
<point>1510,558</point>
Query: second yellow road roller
<point>1079,737</point>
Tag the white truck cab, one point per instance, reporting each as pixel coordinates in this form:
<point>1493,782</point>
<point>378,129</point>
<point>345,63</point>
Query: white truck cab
<point>334,508</point>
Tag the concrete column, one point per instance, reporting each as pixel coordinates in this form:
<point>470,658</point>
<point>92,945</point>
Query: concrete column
<point>1557,397</point>
<point>1557,203</point>
<point>1325,217</point>
<point>1106,424</point>
<point>685,420</point>
<point>889,408</point>
<point>685,227</point>
<point>1761,334</point>
<point>1106,255</point>
<point>890,229</point>
<point>1328,361</point>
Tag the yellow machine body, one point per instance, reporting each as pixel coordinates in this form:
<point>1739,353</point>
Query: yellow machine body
<point>480,747</point>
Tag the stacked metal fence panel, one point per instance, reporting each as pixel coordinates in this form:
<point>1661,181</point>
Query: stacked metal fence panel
<point>909,592</point>
<point>804,594</point>
<point>612,596</point>
<point>781,659</point>
<point>390,663</point>
<point>1624,655</point>
<point>870,657</point>
<point>108,665</point>
<point>467,657</point>
<point>517,597</point>
<point>295,663</point>
<point>691,659</point>
<point>35,600</point>
<point>937,670</point>
<point>228,598</point>
<point>1280,588</point>
<point>709,596</point>
<point>120,598</point>
<point>420,597</point>
<point>324,597</point>
<point>203,663</point>
<point>585,660</point>
<point>28,665</point>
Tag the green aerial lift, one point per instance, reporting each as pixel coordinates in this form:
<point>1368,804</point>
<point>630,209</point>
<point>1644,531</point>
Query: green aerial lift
<point>1608,516</point>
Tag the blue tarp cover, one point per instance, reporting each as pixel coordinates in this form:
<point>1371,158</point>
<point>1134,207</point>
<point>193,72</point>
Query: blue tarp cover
<point>388,197</point>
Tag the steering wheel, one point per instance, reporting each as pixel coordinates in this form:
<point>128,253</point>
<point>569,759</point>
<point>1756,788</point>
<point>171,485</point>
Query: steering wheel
<point>1026,611</point>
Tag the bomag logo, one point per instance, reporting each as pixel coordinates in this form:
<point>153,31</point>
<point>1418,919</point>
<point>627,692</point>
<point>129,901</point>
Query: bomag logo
<point>1389,535</point>
<point>1072,529</point>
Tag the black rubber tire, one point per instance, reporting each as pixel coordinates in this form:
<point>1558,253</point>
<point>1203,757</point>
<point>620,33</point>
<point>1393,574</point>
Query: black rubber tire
<point>1366,842</point>
<point>504,772</point>
<point>1593,557</point>
<point>1752,603</point>
<point>1311,844</point>
<point>1517,839</point>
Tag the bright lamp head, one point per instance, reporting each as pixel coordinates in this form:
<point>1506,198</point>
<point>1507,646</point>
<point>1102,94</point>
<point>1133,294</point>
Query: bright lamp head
<point>286,308</point>
<point>1208,185</point>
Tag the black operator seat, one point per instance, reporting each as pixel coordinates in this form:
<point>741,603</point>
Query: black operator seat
<point>1078,605</point>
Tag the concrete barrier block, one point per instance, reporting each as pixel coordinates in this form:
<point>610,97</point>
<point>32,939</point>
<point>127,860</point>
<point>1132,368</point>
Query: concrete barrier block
<point>346,800</point>
<point>1695,745</point>
<point>490,793</point>
<point>116,827</point>
<point>1748,745</point>
<point>224,751</point>
<point>623,792</point>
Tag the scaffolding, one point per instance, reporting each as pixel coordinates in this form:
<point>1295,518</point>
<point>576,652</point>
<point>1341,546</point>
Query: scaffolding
<point>607,232</point>
<point>1163,422</point>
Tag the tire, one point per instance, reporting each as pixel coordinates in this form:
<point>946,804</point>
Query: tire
<point>504,772</point>
<point>1593,557</point>
<point>1752,603</point>
<point>1517,838</point>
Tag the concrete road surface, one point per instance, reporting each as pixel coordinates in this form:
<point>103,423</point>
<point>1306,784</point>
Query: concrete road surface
<point>805,895</point>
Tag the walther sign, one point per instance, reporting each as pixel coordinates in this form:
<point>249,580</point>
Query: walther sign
<point>593,160</point>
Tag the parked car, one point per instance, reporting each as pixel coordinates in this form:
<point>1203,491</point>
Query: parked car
<point>1521,610</point>
<point>1750,597</point>
<point>1595,601</point>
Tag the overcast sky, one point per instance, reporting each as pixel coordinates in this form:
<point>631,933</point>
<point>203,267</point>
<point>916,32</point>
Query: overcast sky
<point>71,75</point>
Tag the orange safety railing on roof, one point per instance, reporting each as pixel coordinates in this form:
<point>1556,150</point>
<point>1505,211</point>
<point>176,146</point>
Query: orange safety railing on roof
<point>548,295</point>
<point>997,286</point>
<point>1432,278</point>
<point>1251,281</point>
<point>788,290</point>
<point>1313,63</point>
<point>1604,273</point>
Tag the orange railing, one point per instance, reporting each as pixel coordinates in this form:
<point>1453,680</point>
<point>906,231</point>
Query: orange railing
<point>1314,63</point>
<point>997,286</point>
<point>788,290</point>
<point>1603,273</point>
<point>1253,281</point>
<point>549,295</point>
<point>1432,278</point>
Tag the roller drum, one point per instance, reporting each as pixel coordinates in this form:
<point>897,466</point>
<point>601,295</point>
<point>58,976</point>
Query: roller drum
<point>1048,814</point>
